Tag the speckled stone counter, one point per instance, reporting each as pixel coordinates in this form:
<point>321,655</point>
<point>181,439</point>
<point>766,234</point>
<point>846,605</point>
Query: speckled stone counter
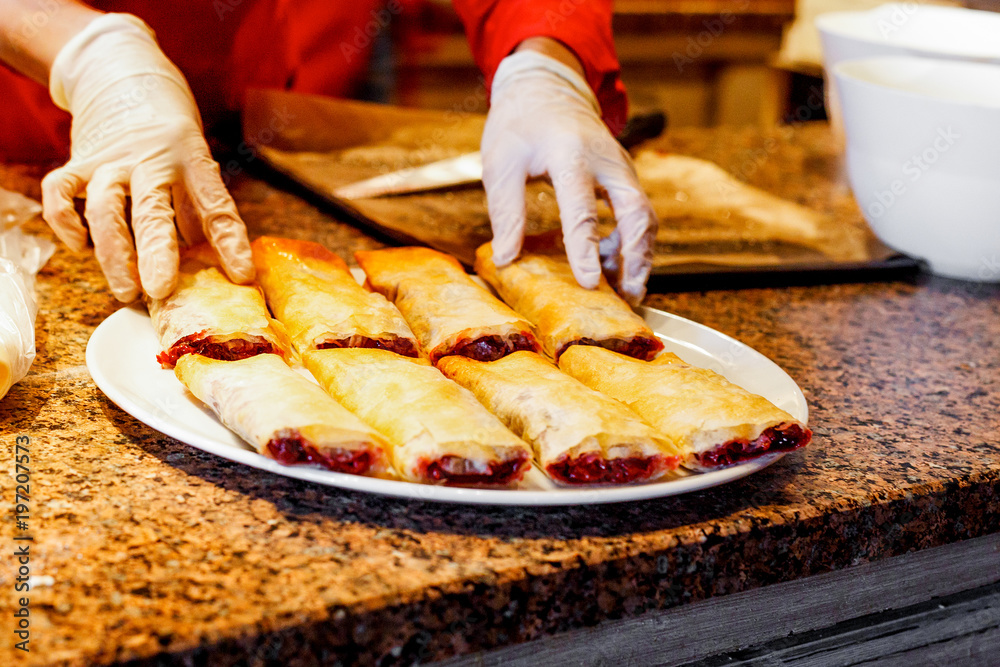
<point>146,547</point>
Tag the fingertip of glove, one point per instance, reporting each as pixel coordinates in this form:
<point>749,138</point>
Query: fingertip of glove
<point>503,256</point>
<point>241,272</point>
<point>126,293</point>
<point>75,242</point>
<point>67,227</point>
<point>633,284</point>
<point>588,276</point>
<point>506,248</point>
<point>158,270</point>
<point>161,287</point>
<point>585,260</point>
<point>633,294</point>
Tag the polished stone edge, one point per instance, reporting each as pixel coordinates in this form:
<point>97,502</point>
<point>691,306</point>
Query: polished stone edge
<point>488,615</point>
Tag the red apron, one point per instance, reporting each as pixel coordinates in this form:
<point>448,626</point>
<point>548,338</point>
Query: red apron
<point>223,47</point>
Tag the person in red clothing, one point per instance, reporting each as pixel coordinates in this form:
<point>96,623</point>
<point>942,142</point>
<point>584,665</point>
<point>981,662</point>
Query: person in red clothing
<point>125,80</point>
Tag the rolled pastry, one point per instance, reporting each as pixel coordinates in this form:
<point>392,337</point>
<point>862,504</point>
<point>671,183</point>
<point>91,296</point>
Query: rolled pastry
<point>311,291</point>
<point>712,420</point>
<point>283,415</point>
<point>438,430</point>
<point>541,286</point>
<point>580,436</point>
<point>207,314</point>
<point>447,311</point>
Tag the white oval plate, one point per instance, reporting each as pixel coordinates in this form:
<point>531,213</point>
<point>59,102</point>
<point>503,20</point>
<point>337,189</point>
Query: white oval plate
<point>121,358</point>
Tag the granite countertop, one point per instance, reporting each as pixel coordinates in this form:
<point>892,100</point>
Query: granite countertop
<point>144,545</point>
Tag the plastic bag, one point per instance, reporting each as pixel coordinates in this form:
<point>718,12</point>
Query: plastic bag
<point>21,257</point>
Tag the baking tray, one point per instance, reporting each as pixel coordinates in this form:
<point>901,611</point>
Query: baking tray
<point>715,233</point>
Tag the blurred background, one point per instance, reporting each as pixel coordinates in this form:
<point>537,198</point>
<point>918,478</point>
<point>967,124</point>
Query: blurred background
<point>705,62</point>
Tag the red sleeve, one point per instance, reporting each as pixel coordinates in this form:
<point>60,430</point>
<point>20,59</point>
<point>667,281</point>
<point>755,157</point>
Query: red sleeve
<point>496,27</point>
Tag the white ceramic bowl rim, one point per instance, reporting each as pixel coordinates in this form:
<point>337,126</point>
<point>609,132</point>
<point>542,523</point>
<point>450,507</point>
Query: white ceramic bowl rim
<point>927,78</point>
<point>979,30</point>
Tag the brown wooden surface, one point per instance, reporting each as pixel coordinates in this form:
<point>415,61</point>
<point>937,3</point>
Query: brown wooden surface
<point>872,612</point>
<point>706,217</point>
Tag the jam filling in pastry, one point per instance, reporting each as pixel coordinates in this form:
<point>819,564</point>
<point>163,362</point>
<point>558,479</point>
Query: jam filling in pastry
<point>447,311</point>
<point>211,316</point>
<point>541,286</point>
<point>579,435</point>
<point>714,422</point>
<point>283,415</point>
<point>312,293</point>
<point>439,432</point>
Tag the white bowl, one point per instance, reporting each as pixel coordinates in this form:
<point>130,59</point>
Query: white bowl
<point>910,28</point>
<point>923,158</point>
<point>905,29</point>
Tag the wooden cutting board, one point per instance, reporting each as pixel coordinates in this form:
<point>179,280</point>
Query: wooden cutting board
<point>712,224</point>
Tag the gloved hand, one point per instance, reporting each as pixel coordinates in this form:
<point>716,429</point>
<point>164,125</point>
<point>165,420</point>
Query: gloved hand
<point>544,119</point>
<point>136,131</point>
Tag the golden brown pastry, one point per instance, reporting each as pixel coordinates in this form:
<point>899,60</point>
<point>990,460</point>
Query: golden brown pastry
<point>580,436</point>
<point>712,420</point>
<point>283,415</point>
<point>541,286</point>
<point>312,292</point>
<point>207,314</point>
<point>447,311</point>
<point>439,432</point>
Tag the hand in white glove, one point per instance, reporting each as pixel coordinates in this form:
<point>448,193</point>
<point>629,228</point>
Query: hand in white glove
<point>136,131</point>
<point>544,119</point>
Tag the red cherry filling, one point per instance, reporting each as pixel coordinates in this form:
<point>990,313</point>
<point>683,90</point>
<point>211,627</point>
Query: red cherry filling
<point>779,439</point>
<point>595,469</point>
<point>640,347</point>
<point>233,349</point>
<point>491,348</point>
<point>448,469</point>
<point>400,346</point>
<point>290,448</point>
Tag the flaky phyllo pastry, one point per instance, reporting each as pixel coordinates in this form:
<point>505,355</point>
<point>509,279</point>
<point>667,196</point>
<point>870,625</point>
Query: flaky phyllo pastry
<point>541,286</point>
<point>208,314</point>
<point>311,291</point>
<point>446,310</point>
<point>439,432</point>
<point>580,436</point>
<point>283,415</point>
<point>713,421</point>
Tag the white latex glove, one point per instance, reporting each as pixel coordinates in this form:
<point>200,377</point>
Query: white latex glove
<point>136,131</point>
<point>544,119</point>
